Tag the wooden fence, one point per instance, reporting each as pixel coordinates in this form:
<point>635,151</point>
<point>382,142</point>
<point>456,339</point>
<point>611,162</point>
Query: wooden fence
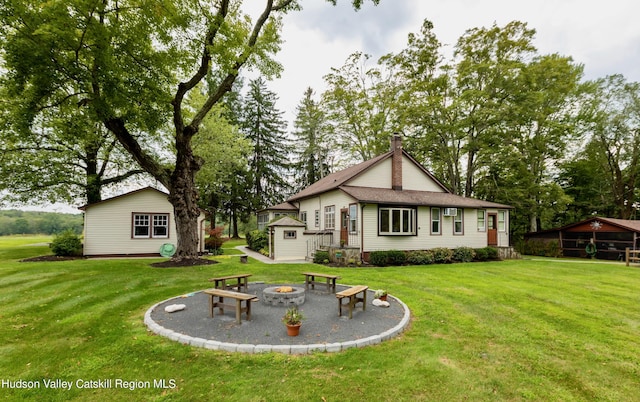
<point>632,256</point>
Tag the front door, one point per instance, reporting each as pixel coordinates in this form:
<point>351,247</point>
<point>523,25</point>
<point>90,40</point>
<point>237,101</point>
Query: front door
<point>344,226</point>
<point>492,230</point>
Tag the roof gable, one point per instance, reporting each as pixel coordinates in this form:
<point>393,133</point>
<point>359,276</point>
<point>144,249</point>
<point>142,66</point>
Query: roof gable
<point>633,226</point>
<point>129,194</point>
<point>344,177</point>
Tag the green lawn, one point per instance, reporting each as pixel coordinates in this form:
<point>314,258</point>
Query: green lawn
<point>512,330</point>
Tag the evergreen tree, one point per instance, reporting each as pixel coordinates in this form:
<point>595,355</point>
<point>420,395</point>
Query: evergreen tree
<point>311,150</point>
<point>264,126</point>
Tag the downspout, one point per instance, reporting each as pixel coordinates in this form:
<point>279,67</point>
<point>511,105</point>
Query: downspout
<point>362,232</point>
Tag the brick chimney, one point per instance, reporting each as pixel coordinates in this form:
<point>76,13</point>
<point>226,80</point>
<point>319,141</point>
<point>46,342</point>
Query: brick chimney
<point>396,162</point>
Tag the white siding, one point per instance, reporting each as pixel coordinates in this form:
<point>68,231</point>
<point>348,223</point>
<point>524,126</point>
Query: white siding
<point>108,225</point>
<point>286,248</point>
<point>336,198</point>
<point>378,176</point>
<point>414,178</point>
<point>424,239</point>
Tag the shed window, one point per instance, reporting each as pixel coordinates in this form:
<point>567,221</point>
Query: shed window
<point>147,226</point>
<point>290,234</point>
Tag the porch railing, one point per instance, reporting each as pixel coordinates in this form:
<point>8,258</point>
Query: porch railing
<point>330,238</point>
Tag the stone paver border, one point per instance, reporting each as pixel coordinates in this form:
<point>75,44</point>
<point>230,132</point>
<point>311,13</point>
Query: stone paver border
<point>286,349</point>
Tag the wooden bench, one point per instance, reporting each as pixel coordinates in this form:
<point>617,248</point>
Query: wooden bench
<point>241,282</point>
<point>310,279</point>
<point>352,295</point>
<point>220,295</point>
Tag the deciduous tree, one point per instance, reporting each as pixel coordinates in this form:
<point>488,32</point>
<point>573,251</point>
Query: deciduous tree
<point>130,64</point>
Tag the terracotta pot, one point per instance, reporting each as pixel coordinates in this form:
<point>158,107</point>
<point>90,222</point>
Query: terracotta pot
<point>383,298</point>
<point>293,330</point>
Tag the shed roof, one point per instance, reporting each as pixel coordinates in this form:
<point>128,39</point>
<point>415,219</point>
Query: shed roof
<point>627,224</point>
<point>287,221</point>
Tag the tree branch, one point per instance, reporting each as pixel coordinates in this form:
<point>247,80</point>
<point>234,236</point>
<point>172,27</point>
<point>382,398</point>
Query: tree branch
<point>146,161</point>
<point>203,69</point>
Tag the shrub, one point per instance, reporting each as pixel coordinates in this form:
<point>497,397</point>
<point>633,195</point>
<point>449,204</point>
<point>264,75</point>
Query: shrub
<point>320,256</point>
<point>257,240</point>
<point>463,254</point>
<point>442,255</point>
<point>379,258</point>
<point>492,253</point>
<point>420,257</point>
<point>396,257</point>
<point>553,249</point>
<point>214,242</point>
<point>66,244</point>
<point>482,254</point>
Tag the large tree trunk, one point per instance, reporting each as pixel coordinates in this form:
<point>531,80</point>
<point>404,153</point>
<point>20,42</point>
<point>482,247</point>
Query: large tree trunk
<point>183,195</point>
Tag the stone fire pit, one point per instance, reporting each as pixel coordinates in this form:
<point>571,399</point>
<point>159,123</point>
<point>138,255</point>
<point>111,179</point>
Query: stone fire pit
<point>283,296</point>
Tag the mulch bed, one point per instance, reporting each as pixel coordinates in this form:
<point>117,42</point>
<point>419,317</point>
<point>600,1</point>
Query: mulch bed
<point>50,258</point>
<point>186,262</point>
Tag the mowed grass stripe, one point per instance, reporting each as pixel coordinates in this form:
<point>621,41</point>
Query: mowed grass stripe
<point>512,330</point>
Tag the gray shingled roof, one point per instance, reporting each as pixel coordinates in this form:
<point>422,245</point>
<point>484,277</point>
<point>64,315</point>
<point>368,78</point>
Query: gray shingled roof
<point>413,197</point>
<point>287,221</point>
<point>285,206</point>
<point>335,180</point>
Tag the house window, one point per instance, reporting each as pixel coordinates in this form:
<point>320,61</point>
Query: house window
<point>482,226</point>
<point>317,218</point>
<point>330,217</point>
<point>290,234</point>
<point>353,218</point>
<point>502,221</point>
<point>397,221</point>
<point>263,220</point>
<point>435,221</point>
<point>303,217</point>
<point>147,226</point>
<point>458,227</point>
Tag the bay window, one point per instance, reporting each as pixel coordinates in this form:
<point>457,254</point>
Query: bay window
<point>396,221</point>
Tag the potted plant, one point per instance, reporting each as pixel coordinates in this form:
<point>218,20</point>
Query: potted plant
<point>293,319</point>
<point>381,294</point>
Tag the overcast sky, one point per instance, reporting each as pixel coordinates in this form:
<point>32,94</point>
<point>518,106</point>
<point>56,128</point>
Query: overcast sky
<point>604,36</point>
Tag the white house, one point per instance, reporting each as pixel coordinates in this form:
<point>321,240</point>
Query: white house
<point>132,224</point>
<point>393,202</point>
<point>277,211</point>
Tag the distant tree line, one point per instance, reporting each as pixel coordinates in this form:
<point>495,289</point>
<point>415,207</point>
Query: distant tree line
<point>16,222</point>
